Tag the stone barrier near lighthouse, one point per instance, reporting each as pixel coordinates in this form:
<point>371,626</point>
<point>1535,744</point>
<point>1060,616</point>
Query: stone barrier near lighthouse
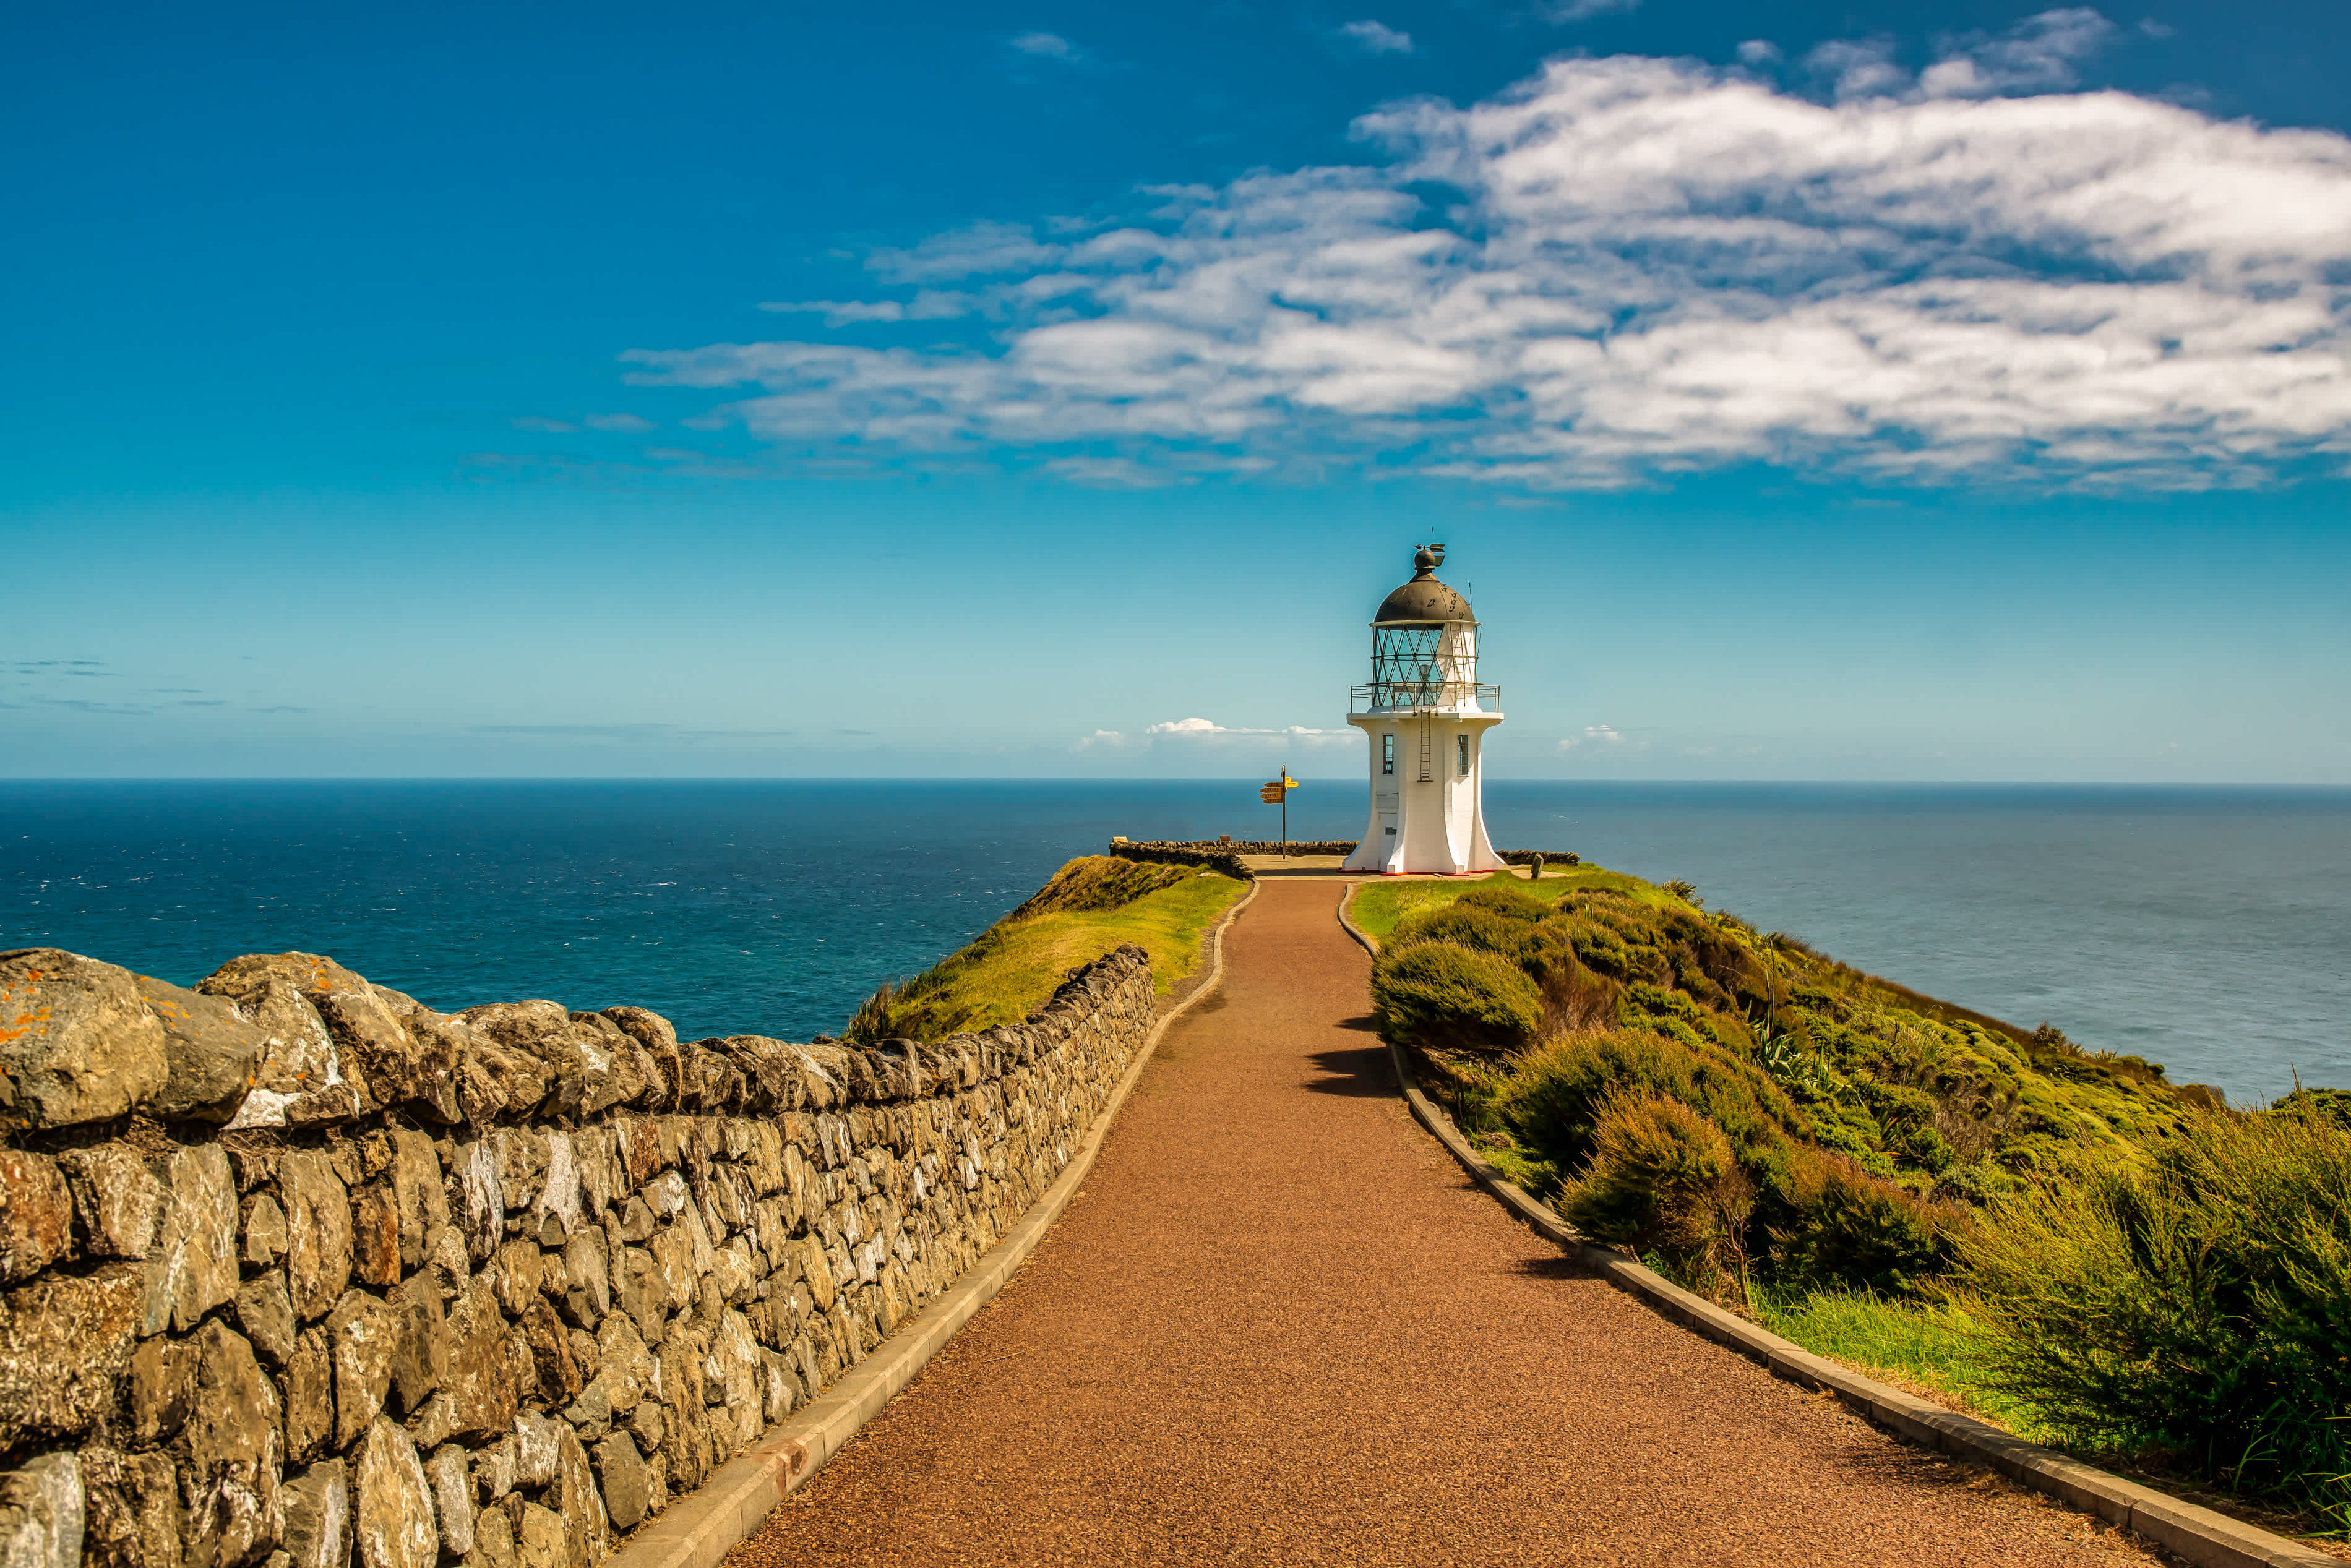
<point>296,1271</point>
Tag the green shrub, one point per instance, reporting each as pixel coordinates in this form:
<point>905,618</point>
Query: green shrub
<point>2196,1300</point>
<point>1437,993</point>
<point>1663,1179</point>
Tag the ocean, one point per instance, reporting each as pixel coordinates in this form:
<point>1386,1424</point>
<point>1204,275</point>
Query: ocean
<point>2208,929</point>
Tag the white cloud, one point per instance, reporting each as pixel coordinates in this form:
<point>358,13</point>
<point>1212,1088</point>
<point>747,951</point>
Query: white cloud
<point>2041,54</point>
<point>1653,266</point>
<point>1205,729</point>
<point>1101,740</point>
<point>1759,52</point>
<point>1376,37</point>
<point>625,423</point>
<point>1048,46</point>
<point>1600,734</point>
<point>1581,10</point>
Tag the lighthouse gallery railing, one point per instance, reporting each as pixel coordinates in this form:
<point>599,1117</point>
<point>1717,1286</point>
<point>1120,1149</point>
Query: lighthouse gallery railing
<point>1413,696</point>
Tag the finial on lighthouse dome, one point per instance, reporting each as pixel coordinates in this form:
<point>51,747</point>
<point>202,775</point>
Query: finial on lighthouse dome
<point>1424,601</point>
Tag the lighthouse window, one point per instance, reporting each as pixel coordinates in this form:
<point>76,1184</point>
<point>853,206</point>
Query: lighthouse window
<point>1387,754</point>
<point>1461,751</point>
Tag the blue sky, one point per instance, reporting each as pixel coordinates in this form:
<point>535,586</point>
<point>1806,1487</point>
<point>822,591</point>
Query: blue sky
<point>1819,392</point>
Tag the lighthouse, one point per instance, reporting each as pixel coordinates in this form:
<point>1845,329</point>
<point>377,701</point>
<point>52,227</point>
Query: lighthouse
<point>1425,714</point>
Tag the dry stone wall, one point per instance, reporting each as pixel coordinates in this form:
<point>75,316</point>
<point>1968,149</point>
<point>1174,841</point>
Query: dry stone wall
<point>296,1271</point>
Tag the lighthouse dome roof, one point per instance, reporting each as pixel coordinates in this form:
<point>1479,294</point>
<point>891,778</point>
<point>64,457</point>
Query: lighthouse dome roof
<point>1424,598</point>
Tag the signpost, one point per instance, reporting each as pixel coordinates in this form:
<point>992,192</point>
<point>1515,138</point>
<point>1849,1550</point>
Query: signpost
<point>1278,794</point>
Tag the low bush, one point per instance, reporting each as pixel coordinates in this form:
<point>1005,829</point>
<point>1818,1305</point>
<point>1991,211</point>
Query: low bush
<point>2196,1301</point>
<point>1662,1179</point>
<point>1440,993</point>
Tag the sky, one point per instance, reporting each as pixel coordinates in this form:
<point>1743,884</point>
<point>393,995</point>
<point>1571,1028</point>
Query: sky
<point>1858,392</point>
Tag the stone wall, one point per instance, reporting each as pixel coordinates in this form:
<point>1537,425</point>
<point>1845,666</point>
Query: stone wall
<point>296,1271</point>
<point>1225,857</point>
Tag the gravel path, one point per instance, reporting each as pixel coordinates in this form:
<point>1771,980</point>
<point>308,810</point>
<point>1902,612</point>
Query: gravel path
<point>1281,1327</point>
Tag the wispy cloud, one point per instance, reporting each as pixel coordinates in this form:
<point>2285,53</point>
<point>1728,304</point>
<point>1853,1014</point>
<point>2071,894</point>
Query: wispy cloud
<point>1207,729</point>
<point>1604,737</point>
<point>622,424</point>
<point>638,732</point>
<point>1376,37</point>
<point>1648,266</point>
<point>1564,11</point>
<point>1047,47</point>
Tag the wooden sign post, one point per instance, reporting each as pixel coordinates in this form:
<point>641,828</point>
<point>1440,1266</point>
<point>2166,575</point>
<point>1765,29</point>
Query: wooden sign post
<point>1278,794</point>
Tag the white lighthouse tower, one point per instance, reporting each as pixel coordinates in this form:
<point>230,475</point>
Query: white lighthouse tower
<point>1426,714</point>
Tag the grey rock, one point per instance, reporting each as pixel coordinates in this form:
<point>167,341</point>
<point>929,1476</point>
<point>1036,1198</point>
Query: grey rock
<point>493,1542</point>
<point>419,1198</point>
<point>515,1272</point>
<point>587,1530</point>
<point>538,1539</point>
<point>265,1238</point>
<point>496,1469</point>
<point>298,1058</point>
<point>77,1042</point>
<point>481,1206</point>
<point>318,1516</point>
<point>627,1483</point>
<point>41,1513</point>
<point>363,1332</point>
<point>318,1226</point>
<point>420,1359</point>
<point>309,1395</point>
<point>36,1215</point>
<point>536,1455</point>
<point>353,1030</point>
<point>235,1455</point>
<point>654,1036</point>
<point>453,1498</point>
<point>65,1342</point>
<point>211,1052</point>
<point>734,1369</point>
<point>266,1314</point>
<point>477,1384</point>
<point>116,1195</point>
<point>647,1425</point>
<point>395,1523</point>
<point>192,1268</point>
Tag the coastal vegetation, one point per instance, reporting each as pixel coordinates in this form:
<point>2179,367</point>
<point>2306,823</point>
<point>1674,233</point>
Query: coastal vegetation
<point>2062,1240</point>
<point>1091,905</point>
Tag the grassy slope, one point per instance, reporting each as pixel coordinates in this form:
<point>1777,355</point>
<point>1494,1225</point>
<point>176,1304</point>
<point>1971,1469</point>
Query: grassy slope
<point>1862,1041</point>
<point>1015,965</point>
<point>1379,906</point>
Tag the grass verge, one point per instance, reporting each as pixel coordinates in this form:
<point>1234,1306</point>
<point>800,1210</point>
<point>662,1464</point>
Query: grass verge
<point>1091,905</point>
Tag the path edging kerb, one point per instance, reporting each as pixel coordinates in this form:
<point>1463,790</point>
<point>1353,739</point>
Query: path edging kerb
<point>699,1529</point>
<point>2208,1539</point>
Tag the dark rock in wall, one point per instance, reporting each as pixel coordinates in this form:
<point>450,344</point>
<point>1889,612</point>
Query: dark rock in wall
<point>118,1198</point>
<point>77,1042</point>
<point>65,1342</point>
<point>318,1232</point>
<point>318,1517</point>
<point>235,1451</point>
<point>130,1509</point>
<point>211,1052</point>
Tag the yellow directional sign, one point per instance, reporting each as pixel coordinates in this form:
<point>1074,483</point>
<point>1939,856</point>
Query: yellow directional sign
<point>1271,794</point>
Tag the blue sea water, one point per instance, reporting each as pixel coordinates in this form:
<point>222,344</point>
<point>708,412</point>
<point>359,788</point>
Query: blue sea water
<point>2208,929</point>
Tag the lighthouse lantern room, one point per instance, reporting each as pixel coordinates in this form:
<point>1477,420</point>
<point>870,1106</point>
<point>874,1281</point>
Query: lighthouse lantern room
<point>1425,714</point>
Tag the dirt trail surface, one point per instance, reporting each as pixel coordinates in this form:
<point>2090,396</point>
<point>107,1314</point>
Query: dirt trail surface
<point>1281,1327</point>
